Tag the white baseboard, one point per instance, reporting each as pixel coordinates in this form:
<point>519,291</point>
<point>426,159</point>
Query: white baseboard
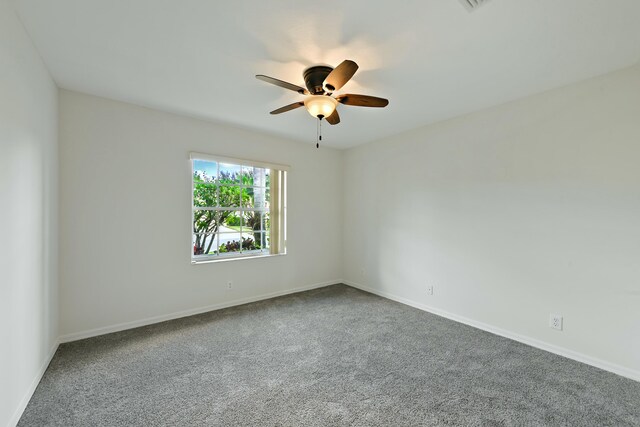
<point>184,313</point>
<point>561,351</point>
<point>32,387</point>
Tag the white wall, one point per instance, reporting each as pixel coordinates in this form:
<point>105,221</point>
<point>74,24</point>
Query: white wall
<point>512,213</point>
<point>125,216</point>
<point>28,216</point>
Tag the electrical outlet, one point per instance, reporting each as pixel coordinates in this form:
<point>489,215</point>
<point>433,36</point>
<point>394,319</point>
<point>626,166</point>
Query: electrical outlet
<point>229,284</point>
<point>430,290</point>
<point>555,321</point>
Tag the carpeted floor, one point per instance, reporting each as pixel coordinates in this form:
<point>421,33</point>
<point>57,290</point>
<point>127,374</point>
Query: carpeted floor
<point>332,356</point>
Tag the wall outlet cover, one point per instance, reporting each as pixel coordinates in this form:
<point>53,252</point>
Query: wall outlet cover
<point>555,321</point>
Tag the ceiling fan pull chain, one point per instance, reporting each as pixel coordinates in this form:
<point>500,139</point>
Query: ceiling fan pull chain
<point>319,132</point>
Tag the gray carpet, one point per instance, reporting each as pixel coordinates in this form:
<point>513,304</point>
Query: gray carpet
<point>332,356</point>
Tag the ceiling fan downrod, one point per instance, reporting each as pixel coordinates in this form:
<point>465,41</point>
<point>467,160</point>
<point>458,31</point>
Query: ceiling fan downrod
<point>319,130</point>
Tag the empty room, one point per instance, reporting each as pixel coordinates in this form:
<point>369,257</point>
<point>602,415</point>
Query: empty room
<point>339,213</point>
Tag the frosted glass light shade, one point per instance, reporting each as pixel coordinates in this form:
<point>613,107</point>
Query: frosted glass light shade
<point>320,105</point>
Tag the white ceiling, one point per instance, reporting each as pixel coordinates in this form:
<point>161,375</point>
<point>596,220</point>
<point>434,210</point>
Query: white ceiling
<point>432,58</point>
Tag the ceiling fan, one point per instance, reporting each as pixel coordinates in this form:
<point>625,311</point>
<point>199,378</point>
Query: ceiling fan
<point>322,81</point>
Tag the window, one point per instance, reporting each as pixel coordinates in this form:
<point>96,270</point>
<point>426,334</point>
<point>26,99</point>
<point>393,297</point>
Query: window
<point>238,208</point>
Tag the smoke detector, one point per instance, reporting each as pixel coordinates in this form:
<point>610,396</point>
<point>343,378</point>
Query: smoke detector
<point>471,5</point>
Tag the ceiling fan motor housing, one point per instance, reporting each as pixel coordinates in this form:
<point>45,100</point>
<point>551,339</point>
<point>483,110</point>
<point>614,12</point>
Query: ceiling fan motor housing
<point>314,78</point>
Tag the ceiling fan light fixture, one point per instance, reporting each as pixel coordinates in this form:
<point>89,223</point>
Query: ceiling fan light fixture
<point>320,106</point>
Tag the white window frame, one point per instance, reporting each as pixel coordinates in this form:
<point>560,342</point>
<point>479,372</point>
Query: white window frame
<point>206,258</point>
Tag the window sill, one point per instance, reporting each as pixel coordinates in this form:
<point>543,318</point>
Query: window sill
<point>236,258</point>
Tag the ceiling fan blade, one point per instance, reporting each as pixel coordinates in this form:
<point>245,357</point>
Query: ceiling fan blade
<point>362,100</point>
<point>340,75</point>
<point>288,108</point>
<point>283,84</point>
<point>334,118</point>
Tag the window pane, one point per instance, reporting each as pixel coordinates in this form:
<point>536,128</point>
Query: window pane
<point>251,242</point>
<point>247,176</point>
<point>229,174</point>
<point>260,197</point>
<point>252,221</point>
<point>257,220</point>
<point>205,195</point>
<point>264,240</point>
<point>232,221</point>
<point>229,196</point>
<point>255,177</point>
<point>204,170</point>
<point>205,221</point>
<point>204,244</point>
<point>247,197</point>
<point>230,242</point>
